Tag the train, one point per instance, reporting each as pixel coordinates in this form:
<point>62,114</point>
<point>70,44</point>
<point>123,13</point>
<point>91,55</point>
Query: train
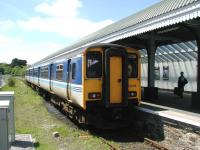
<point>97,85</point>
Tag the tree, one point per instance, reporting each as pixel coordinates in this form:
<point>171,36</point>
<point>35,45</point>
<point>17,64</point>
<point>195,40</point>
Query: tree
<point>5,68</point>
<point>1,70</point>
<point>18,62</point>
<point>16,68</point>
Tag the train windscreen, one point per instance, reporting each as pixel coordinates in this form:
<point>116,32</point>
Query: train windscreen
<point>94,64</point>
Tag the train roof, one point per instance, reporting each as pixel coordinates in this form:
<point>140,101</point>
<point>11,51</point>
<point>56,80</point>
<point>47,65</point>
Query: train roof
<point>71,52</point>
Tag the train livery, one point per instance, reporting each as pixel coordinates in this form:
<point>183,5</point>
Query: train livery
<point>96,85</point>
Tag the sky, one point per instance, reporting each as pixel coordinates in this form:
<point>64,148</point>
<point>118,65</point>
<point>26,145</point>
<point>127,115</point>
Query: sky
<point>33,29</point>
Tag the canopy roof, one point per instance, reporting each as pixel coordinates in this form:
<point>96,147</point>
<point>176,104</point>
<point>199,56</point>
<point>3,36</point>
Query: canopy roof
<point>160,15</point>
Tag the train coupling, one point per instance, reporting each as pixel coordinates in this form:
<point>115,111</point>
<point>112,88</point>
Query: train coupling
<point>116,114</point>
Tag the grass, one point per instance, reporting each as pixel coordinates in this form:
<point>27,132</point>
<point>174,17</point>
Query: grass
<point>32,117</point>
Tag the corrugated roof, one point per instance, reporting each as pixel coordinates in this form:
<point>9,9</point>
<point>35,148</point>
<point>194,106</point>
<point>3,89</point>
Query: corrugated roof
<point>146,20</point>
<point>174,52</point>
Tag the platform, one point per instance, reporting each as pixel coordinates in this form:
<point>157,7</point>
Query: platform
<point>172,107</point>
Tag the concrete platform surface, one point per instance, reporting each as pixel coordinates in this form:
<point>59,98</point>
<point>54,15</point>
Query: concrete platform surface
<point>187,117</point>
<point>22,142</point>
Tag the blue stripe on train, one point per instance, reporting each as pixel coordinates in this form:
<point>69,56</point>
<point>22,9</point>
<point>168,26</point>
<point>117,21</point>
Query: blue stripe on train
<point>63,85</point>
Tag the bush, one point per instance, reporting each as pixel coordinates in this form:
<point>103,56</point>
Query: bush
<point>11,82</point>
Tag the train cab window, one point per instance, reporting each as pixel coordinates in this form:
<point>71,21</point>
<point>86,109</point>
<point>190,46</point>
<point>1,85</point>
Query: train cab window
<point>94,64</point>
<point>132,66</point>
<point>73,71</point>
<point>59,72</point>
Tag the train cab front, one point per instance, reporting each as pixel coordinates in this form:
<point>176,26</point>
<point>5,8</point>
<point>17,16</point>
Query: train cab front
<point>111,83</point>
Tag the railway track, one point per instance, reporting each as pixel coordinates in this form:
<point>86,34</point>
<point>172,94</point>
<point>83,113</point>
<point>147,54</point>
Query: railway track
<point>152,143</point>
<point>133,137</point>
<point>155,144</point>
<point>108,144</point>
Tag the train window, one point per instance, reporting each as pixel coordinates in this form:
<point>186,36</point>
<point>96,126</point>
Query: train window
<point>73,71</point>
<point>59,72</point>
<point>94,65</point>
<point>36,73</point>
<point>44,72</point>
<point>132,66</point>
<point>31,72</point>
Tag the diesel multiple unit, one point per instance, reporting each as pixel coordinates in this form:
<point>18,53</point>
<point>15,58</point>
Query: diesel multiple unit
<point>96,85</point>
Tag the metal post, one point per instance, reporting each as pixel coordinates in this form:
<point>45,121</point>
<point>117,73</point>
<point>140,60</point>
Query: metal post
<point>196,95</point>
<point>198,60</point>
<point>151,49</point>
<point>151,92</point>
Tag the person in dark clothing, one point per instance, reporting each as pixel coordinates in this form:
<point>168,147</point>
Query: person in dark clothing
<point>182,81</point>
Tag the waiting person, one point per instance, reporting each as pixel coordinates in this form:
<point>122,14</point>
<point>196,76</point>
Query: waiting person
<point>182,81</point>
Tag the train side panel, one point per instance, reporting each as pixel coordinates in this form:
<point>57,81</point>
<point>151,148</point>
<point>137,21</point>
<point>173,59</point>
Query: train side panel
<point>31,76</point>
<point>44,84</point>
<point>75,83</point>
<point>59,84</point>
<point>35,76</point>
<point>44,78</point>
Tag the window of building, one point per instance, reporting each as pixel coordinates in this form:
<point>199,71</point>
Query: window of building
<point>132,66</point>
<point>94,64</point>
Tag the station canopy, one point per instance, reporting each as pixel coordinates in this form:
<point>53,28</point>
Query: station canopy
<point>168,21</point>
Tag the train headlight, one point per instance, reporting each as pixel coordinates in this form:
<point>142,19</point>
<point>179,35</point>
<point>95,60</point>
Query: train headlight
<point>95,95</point>
<point>132,94</point>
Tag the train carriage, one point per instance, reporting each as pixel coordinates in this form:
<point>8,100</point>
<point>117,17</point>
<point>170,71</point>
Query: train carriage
<point>96,84</point>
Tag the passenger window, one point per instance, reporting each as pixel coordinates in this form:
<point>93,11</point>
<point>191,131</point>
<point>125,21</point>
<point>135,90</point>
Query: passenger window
<point>73,71</point>
<point>132,66</point>
<point>44,72</point>
<point>35,73</point>
<point>94,65</point>
<point>59,72</point>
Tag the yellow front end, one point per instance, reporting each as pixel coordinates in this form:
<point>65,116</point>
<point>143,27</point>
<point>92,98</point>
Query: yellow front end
<point>94,81</point>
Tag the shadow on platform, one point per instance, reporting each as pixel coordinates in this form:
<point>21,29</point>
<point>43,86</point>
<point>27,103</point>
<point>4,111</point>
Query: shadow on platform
<point>168,99</point>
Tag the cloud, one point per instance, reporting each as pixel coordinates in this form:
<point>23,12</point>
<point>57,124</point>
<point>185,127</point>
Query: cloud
<point>7,25</point>
<point>16,47</point>
<point>60,8</point>
<point>62,18</point>
<point>53,16</point>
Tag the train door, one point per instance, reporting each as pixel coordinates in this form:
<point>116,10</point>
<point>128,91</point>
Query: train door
<point>69,74</point>
<point>51,77</point>
<point>116,80</point>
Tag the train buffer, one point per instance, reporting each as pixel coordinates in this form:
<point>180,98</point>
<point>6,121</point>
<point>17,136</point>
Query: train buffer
<point>180,116</point>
